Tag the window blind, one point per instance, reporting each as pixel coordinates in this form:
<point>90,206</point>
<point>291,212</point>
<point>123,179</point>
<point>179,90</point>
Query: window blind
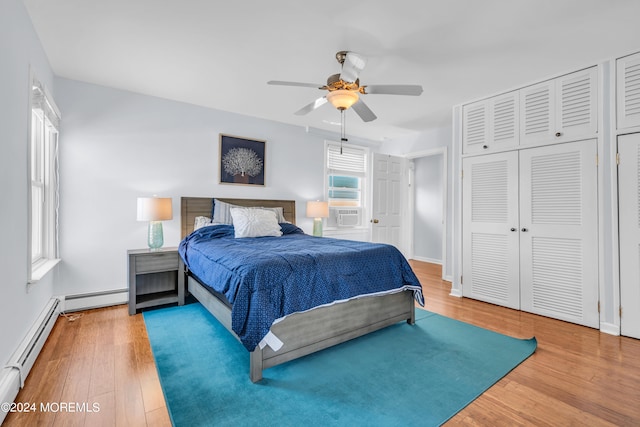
<point>351,161</point>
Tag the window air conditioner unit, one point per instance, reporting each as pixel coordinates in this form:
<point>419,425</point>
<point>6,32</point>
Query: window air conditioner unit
<point>348,217</point>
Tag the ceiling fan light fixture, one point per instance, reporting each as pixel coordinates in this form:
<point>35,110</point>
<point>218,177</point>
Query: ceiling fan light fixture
<point>342,99</point>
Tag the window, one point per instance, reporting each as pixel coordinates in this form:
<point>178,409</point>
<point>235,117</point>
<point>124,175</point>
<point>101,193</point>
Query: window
<point>346,169</point>
<point>43,179</point>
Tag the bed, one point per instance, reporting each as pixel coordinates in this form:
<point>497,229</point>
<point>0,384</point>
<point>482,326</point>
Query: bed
<point>295,334</point>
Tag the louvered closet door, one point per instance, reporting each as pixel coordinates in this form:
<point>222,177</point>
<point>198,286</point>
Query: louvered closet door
<point>537,115</point>
<point>560,110</point>
<point>629,207</point>
<point>504,127</point>
<point>490,247</point>
<point>475,130</point>
<point>628,91</point>
<point>491,124</point>
<point>558,232</point>
<point>576,104</point>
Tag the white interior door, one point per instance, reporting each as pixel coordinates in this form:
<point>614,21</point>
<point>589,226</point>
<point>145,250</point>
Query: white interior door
<point>490,229</point>
<point>559,232</point>
<point>629,223</point>
<point>386,220</point>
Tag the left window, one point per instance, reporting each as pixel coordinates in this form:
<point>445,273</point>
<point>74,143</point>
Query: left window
<point>43,182</point>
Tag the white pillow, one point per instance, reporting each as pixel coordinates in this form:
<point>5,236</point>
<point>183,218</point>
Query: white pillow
<point>255,223</point>
<point>201,221</point>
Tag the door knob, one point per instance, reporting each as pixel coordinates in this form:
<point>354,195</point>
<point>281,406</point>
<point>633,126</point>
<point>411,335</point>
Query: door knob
<point>375,221</point>
<point>513,229</point>
<point>525,229</point>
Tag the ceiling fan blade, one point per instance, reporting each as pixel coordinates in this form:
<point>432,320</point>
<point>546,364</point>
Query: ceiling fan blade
<point>413,90</point>
<point>364,111</point>
<point>353,64</point>
<point>312,106</point>
<point>280,83</point>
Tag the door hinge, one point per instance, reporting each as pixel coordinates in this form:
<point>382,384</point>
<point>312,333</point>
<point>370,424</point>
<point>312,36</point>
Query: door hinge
<point>461,280</point>
<point>617,158</point>
<point>620,310</point>
<point>598,306</point>
<point>462,174</point>
<point>597,160</point>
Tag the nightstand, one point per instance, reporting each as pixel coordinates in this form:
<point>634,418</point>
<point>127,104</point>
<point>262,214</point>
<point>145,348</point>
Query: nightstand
<point>154,278</point>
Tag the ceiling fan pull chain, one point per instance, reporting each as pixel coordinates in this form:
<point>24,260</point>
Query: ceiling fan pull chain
<point>343,133</point>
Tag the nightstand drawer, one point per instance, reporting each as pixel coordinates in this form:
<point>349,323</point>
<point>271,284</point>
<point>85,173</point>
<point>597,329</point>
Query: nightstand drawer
<point>156,262</point>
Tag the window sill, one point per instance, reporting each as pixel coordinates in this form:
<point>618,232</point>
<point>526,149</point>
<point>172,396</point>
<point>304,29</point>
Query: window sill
<point>41,270</point>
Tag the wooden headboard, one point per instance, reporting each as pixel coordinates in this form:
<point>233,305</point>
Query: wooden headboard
<point>191,207</point>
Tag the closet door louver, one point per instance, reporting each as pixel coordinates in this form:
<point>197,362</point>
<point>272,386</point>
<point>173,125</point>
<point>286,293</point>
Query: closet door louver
<point>558,236</point>
<point>490,247</point>
<point>628,91</point>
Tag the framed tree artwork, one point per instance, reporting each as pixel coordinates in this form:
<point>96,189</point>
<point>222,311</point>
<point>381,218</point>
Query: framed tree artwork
<point>242,160</point>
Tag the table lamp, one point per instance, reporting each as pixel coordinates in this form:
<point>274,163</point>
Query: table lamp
<point>155,210</point>
<point>317,210</point>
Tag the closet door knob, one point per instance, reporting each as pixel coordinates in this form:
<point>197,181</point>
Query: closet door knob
<point>558,134</point>
<point>525,229</point>
<point>485,146</point>
<point>513,229</point>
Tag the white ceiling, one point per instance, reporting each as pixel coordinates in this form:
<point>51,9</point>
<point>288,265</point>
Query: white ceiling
<point>220,54</point>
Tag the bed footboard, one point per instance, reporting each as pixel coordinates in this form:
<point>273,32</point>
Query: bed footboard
<point>317,329</point>
<point>323,327</point>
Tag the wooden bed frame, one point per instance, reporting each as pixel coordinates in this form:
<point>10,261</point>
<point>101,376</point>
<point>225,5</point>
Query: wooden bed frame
<point>301,333</point>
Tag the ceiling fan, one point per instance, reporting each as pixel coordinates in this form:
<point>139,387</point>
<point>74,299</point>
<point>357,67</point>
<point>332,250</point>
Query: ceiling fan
<point>345,89</point>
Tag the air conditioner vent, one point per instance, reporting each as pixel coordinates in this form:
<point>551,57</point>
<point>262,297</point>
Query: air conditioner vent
<point>347,212</point>
<point>348,217</point>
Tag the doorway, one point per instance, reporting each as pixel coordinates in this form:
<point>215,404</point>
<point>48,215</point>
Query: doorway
<point>427,206</point>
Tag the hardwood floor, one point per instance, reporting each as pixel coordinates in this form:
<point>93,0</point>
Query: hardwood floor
<point>102,358</point>
<point>577,376</point>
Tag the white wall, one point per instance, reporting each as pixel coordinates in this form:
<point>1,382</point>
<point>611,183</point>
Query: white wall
<point>427,218</point>
<point>19,49</point>
<point>117,145</point>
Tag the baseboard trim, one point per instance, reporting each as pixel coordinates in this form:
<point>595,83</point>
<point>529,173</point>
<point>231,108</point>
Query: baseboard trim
<point>456,293</point>
<point>429,260</point>
<point>79,302</point>
<point>609,328</point>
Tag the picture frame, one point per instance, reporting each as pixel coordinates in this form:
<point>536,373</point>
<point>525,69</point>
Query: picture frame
<point>242,161</point>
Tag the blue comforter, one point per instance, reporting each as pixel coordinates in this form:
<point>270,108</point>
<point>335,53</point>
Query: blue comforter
<point>266,278</point>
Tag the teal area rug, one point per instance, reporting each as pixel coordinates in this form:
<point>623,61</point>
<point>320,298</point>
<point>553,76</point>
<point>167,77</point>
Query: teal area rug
<point>403,375</point>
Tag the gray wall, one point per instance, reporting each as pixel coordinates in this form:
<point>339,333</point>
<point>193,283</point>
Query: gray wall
<point>20,49</point>
<point>427,219</point>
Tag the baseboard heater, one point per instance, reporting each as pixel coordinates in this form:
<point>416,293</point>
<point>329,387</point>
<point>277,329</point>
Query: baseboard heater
<point>19,365</point>
<point>79,302</point>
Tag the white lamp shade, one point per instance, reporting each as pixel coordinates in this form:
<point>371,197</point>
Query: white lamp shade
<point>342,99</point>
<point>154,209</point>
<point>317,209</point>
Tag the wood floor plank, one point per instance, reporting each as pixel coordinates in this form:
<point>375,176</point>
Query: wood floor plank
<point>578,375</point>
